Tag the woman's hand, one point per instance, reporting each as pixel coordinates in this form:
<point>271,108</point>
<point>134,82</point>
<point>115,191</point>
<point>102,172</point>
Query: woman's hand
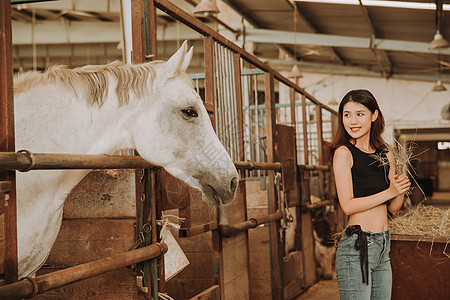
<point>400,184</point>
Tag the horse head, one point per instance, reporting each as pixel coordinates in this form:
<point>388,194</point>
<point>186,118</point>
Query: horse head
<point>173,130</point>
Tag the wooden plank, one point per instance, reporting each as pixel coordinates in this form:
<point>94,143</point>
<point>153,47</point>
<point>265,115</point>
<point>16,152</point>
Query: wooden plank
<point>234,252</point>
<point>260,271</point>
<point>286,153</point>
<point>85,240</point>
<point>420,270</point>
<point>103,194</point>
<point>235,273</point>
<point>292,274</point>
<point>197,213</point>
<point>199,274</point>
<point>307,242</point>
<point>174,192</point>
<point>116,285</point>
<point>213,293</point>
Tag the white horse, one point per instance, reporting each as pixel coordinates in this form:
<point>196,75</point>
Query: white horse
<point>150,107</point>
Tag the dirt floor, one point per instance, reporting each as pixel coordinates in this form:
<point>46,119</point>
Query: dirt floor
<point>323,290</point>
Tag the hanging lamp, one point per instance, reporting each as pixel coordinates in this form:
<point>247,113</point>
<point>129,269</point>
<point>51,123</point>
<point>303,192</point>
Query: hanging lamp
<point>438,42</point>
<point>439,87</point>
<point>206,8</point>
<point>295,73</point>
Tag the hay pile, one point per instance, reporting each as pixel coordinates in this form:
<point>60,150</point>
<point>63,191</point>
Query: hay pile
<point>424,221</point>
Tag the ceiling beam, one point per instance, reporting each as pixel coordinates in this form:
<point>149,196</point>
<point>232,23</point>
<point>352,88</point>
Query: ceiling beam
<point>351,70</point>
<point>386,71</point>
<point>329,40</point>
<point>80,32</point>
<point>315,30</point>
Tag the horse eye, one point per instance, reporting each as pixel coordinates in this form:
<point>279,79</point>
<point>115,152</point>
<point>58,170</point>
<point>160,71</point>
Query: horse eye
<point>190,113</point>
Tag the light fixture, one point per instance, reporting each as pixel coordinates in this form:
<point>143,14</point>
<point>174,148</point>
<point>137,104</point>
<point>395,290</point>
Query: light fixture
<point>295,73</point>
<point>438,42</point>
<point>333,102</point>
<point>206,8</point>
<point>439,87</point>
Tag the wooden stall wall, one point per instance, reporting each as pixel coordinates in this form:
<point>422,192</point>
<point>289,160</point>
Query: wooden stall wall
<point>259,240</point>
<point>234,262</point>
<point>98,221</point>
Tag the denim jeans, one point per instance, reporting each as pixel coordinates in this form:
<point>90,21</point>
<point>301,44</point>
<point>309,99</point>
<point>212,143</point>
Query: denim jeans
<point>348,268</point>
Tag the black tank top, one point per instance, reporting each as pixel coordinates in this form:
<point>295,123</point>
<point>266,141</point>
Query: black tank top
<point>369,176</point>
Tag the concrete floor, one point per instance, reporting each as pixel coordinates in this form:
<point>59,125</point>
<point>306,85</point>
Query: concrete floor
<point>323,290</point>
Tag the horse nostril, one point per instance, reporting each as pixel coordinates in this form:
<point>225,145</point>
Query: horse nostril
<point>233,184</point>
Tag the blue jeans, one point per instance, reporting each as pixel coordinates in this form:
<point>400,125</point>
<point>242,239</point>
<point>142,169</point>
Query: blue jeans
<point>348,268</point>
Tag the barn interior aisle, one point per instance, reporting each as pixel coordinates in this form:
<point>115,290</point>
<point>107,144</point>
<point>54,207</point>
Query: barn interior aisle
<point>179,149</point>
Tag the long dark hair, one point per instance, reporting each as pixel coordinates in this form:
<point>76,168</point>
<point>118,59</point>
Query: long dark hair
<point>342,137</point>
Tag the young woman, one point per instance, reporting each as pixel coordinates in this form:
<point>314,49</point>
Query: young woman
<point>367,191</point>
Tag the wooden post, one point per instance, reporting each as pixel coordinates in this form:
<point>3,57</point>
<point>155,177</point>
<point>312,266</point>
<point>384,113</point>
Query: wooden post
<point>276,259</point>
<point>137,29</point>
<point>208,45</point>
<point>7,138</point>
<point>151,49</point>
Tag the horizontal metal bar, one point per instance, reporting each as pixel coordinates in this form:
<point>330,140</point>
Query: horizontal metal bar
<point>227,230</point>
<point>250,165</point>
<point>50,161</point>
<point>29,287</point>
<point>317,204</point>
<point>21,161</point>
<point>314,167</point>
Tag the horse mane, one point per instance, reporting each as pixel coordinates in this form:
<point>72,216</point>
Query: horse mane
<point>91,82</point>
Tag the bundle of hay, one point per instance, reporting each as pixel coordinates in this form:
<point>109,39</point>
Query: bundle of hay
<point>424,221</point>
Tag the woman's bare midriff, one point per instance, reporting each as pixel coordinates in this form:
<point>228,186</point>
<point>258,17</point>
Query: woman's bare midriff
<point>373,220</point>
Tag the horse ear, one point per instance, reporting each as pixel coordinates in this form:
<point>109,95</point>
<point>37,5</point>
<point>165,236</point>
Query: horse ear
<point>175,62</point>
<point>187,59</point>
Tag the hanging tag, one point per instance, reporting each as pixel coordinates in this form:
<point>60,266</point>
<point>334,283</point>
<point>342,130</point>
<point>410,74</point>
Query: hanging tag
<point>174,260</point>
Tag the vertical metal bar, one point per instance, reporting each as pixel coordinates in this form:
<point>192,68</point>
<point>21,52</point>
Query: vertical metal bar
<point>225,105</point>
<point>276,259</point>
<point>232,88</point>
<point>305,131</point>
<point>248,119</point>
<point>208,46</point>
<point>226,100</point>
<point>257,127</point>
<point>292,105</point>
<point>217,93</point>
<point>321,184</point>
<point>232,84</point>
<point>7,138</point>
<point>319,133</point>
<point>221,108</point>
<point>240,113</point>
